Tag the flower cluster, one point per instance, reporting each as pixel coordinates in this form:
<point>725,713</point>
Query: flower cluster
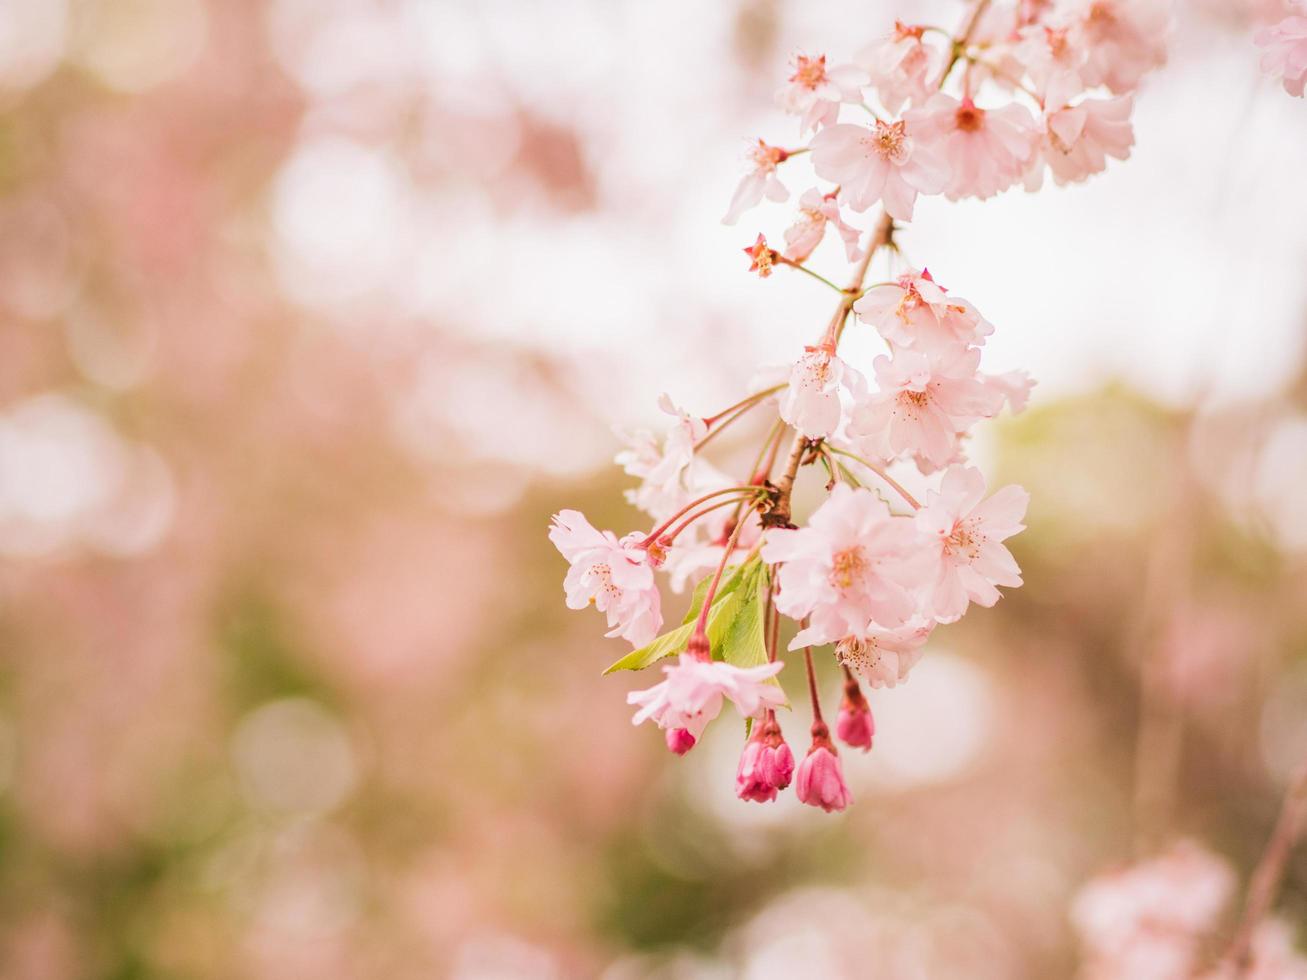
<point>1284,50</point>
<point>1157,918</point>
<point>1022,88</point>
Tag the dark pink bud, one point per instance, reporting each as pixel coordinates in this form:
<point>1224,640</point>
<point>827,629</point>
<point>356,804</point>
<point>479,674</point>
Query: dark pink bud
<point>820,779</point>
<point>766,764</point>
<point>855,725</point>
<point>679,740</point>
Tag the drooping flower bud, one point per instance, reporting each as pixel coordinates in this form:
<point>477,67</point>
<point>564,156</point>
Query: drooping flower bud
<point>855,725</point>
<point>820,779</point>
<point>766,764</point>
<point>680,740</point>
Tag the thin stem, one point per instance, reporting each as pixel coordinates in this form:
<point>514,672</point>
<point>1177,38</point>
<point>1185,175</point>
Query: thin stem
<point>725,425</point>
<point>701,627</point>
<point>653,535</point>
<point>848,474</point>
<point>874,285</point>
<point>778,433</point>
<point>671,535</point>
<point>880,472</point>
<point>812,688</point>
<point>829,467</point>
<point>1265,882</point>
<point>1006,76</point>
<point>744,402</point>
<point>782,260</point>
<point>964,38</point>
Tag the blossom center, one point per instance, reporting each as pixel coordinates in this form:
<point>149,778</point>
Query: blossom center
<point>816,369</point>
<point>847,567</point>
<point>604,573</point>
<point>903,31</point>
<point>964,541</point>
<point>890,141</point>
<point>809,72</point>
<point>858,654</point>
<point>1101,19</point>
<point>767,157</point>
<point>969,119</point>
<point>916,399</point>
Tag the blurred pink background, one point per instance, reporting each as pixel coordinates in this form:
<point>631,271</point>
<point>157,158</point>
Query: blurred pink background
<point>312,312</point>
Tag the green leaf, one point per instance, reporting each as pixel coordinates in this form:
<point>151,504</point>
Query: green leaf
<point>729,584</point>
<point>744,641</point>
<point>722,614</point>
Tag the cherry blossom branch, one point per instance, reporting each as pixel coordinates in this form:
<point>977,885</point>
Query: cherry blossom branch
<point>1265,882</point>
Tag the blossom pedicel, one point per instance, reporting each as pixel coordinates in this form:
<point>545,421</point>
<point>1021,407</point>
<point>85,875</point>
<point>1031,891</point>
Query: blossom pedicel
<point>1019,90</point>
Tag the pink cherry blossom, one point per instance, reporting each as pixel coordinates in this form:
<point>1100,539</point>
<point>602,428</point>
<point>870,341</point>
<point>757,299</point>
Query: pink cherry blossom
<point>1014,386</point>
<point>1079,138</point>
<point>916,312</point>
<point>1124,39</point>
<point>766,764</point>
<point>691,696</point>
<point>762,257</point>
<point>761,181</point>
<point>615,576</point>
<point>925,401</point>
<point>1149,919</point>
<point>884,656</point>
<point>816,210</point>
<point>882,163</point>
<point>820,779</point>
<point>852,564</point>
<point>811,403</point>
<point>1284,54</point>
<point>1048,52</point>
<point>665,470</point>
<point>967,532</point>
<point>814,92</point>
<point>901,66</point>
<point>987,150</point>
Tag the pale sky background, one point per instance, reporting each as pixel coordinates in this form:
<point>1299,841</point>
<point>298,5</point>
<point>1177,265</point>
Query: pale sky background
<point>1180,270</point>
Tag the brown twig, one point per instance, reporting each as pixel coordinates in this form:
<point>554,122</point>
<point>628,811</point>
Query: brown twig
<point>1265,882</point>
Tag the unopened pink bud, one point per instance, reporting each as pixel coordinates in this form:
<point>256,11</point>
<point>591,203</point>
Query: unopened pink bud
<point>766,765</point>
<point>680,740</point>
<point>699,647</point>
<point>855,725</point>
<point>820,779</point>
